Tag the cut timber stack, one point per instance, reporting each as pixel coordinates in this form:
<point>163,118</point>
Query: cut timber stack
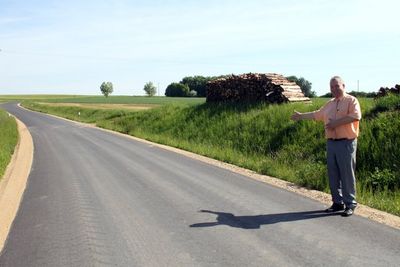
<point>254,87</point>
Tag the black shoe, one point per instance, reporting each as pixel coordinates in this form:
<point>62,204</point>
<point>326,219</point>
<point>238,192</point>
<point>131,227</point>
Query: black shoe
<point>335,207</point>
<point>348,212</point>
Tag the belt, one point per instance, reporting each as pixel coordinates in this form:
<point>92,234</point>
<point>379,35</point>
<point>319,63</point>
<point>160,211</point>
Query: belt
<point>340,139</point>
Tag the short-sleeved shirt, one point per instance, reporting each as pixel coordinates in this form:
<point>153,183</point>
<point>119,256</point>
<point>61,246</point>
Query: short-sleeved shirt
<point>338,108</point>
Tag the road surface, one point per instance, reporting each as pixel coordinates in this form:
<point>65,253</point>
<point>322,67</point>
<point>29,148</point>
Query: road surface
<point>98,199</point>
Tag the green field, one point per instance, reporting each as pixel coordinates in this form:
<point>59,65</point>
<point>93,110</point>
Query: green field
<point>32,97</point>
<point>8,139</point>
<point>158,100</point>
<point>262,138</point>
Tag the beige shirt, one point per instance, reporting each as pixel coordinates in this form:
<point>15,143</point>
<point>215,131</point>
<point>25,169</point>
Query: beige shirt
<point>338,108</point>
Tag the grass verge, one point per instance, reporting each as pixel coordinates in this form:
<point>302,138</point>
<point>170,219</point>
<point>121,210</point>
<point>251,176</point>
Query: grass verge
<point>8,139</point>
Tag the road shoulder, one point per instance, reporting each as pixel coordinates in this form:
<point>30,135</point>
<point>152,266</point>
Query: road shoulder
<point>13,184</point>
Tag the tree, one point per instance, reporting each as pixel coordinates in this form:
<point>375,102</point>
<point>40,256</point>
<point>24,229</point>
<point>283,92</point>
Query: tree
<point>327,95</point>
<point>197,83</point>
<point>177,89</point>
<point>192,93</point>
<point>106,88</point>
<point>150,89</point>
<point>305,85</point>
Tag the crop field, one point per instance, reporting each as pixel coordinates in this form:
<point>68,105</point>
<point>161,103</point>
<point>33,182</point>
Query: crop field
<point>155,100</point>
<point>5,98</point>
<point>102,106</point>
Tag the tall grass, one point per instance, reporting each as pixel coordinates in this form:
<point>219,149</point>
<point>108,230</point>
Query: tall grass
<point>8,139</point>
<point>263,138</point>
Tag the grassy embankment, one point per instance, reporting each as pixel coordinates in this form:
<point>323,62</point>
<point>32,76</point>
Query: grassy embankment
<point>8,139</point>
<point>263,138</point>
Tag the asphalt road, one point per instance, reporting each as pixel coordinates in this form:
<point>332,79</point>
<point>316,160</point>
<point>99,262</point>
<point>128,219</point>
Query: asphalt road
<point>98,199</point>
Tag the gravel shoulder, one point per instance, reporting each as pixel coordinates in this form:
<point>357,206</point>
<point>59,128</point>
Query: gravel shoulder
<point>13,184</point>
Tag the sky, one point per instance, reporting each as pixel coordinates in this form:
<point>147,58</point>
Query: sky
<point>71,47</point>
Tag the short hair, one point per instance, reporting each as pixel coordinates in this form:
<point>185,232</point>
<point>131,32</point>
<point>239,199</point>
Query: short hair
<point>337,78</point>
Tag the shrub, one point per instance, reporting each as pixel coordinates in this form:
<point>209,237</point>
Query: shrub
<point>197,84</point>
<point>390,102</point>
<point>177,90</point>
<point>193,93</point>
<point>382,179</point>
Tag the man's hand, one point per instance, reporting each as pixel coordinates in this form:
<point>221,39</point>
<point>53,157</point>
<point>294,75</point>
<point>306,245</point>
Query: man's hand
<point>331,124</point>
<point>296,116</point>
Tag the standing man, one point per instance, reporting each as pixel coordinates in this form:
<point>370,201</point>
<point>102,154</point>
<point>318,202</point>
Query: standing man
<point>341,116</point>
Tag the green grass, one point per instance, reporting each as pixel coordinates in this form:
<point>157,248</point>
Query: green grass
<point>263,138</point>
<point>8,139</point>
<point>159,100</point>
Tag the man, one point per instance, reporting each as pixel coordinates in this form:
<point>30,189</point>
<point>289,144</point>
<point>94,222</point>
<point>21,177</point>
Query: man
<point>341,116</point>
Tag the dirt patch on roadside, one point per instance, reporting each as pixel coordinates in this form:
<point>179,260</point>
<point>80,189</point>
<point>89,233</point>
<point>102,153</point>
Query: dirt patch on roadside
<point>102,106</point>
<point>13,184</point>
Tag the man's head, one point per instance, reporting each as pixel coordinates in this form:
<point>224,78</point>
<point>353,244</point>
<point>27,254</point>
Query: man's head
<point>337,86</point>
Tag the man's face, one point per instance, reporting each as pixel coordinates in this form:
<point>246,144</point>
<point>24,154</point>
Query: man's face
<point>337,88</point>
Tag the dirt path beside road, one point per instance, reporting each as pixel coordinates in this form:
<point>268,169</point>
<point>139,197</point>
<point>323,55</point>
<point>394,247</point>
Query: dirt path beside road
<point>13,184</point>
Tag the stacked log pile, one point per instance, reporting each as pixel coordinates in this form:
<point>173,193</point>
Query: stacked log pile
<point>254,87</point>
<point>383,91</point>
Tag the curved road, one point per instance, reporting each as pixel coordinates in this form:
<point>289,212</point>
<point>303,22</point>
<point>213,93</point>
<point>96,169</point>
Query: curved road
<point>98,199</point>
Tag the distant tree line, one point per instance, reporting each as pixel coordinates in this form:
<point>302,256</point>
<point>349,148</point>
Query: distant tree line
<point>196,86</point>
<point>190,86</point>
<point>354,93</point>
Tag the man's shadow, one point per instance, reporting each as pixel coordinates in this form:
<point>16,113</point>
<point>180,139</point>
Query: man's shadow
<point>254,222</point>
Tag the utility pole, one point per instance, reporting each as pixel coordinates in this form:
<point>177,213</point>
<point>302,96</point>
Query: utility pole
<point>358,85</point>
